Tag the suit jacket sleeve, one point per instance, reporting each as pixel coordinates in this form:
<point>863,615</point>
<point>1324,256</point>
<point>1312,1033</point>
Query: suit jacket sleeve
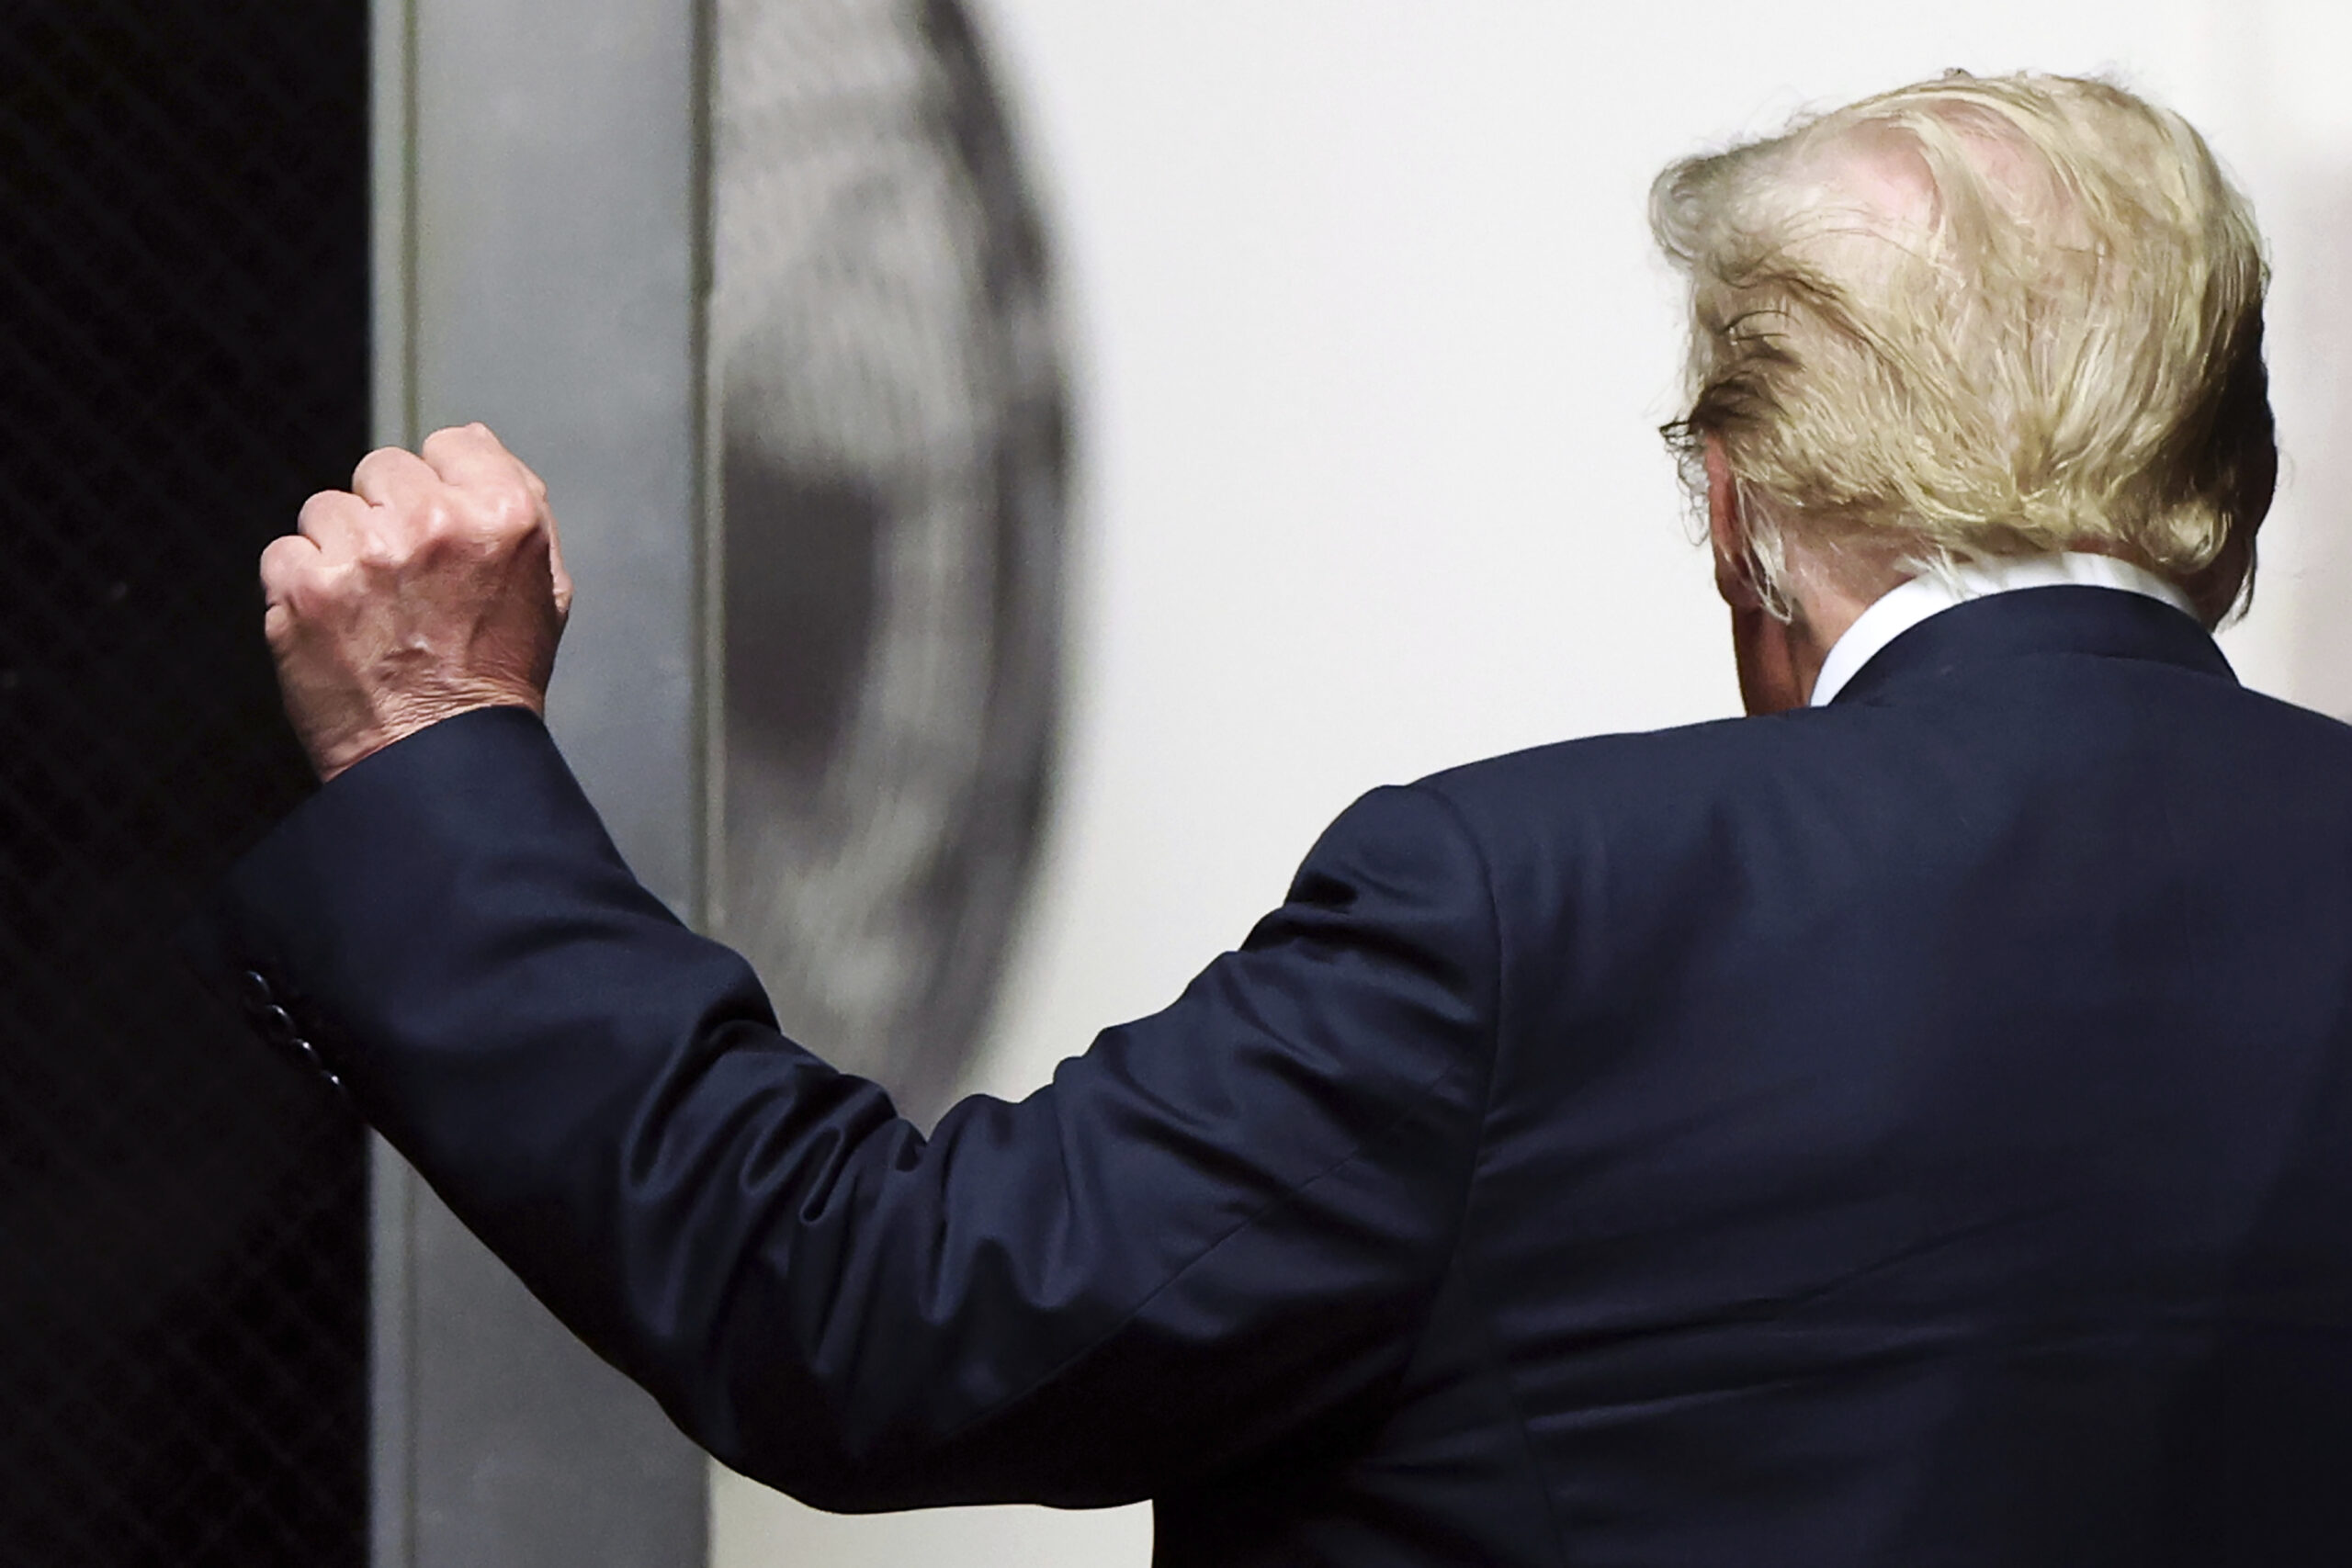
<point>1216,1233</point>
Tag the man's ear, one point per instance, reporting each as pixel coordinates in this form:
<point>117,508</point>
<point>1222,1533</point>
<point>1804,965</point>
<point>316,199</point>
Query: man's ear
<point>1728,531</point>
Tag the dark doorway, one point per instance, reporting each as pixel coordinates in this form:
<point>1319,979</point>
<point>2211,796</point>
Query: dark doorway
<point>184,304</point>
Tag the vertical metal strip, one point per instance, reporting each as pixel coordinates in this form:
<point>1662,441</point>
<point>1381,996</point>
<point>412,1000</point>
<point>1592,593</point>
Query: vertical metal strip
<point>391,70</point>
<point>391,1361</point>
<point>710,599</point>
<point>392,1317</point>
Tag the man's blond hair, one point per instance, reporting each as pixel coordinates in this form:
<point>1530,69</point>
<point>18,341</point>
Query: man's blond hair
<point>1977,318</point>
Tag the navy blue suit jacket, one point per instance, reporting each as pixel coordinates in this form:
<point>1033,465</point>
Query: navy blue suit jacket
<point>1915,1131</point>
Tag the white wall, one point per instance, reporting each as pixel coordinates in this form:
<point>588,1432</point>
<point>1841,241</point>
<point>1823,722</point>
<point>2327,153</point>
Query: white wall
<point>1372,350</point>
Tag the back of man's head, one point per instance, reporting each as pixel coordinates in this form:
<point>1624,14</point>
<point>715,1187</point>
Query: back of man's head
<point>1981,317</point>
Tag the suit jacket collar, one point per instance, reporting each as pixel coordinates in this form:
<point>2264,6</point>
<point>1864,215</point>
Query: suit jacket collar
<point>2102,621</point>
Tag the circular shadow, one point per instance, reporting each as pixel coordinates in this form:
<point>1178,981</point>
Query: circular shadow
<point>891,410</point>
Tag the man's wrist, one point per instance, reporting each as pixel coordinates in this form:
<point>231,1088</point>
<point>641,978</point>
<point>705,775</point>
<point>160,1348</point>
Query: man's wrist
<point>410,718</point>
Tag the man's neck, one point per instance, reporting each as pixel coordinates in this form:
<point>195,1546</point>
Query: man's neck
<point>1780,660</point>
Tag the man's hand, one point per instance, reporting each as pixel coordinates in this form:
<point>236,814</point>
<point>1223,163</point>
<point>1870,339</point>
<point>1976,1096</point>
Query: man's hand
<point>437,588</point>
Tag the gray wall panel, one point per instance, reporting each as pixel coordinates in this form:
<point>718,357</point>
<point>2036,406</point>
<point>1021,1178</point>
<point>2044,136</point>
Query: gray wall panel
<point>539,248</point>
<point>555,244</point>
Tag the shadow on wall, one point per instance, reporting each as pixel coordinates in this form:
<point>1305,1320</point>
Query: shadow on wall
<point>892,413</point>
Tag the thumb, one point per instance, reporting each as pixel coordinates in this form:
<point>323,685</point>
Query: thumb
<point>560,579</point>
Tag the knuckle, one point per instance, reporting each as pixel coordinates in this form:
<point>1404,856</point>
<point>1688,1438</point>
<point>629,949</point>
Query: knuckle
<point>281,561</point>
<point>504,513</point>
<point>335,583</point>
<point>379,551</point>
<point>451,441</point>
<point>375,460</point>
<point>433,521</point>
<point>515,509</point>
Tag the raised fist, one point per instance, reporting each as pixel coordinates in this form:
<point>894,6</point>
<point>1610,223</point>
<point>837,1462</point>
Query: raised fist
<point>437,588</point>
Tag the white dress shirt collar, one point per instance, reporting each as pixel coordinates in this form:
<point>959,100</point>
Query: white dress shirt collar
<point>1907,605</point>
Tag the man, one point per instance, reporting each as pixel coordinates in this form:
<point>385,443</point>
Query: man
<point>1912,1125</point>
